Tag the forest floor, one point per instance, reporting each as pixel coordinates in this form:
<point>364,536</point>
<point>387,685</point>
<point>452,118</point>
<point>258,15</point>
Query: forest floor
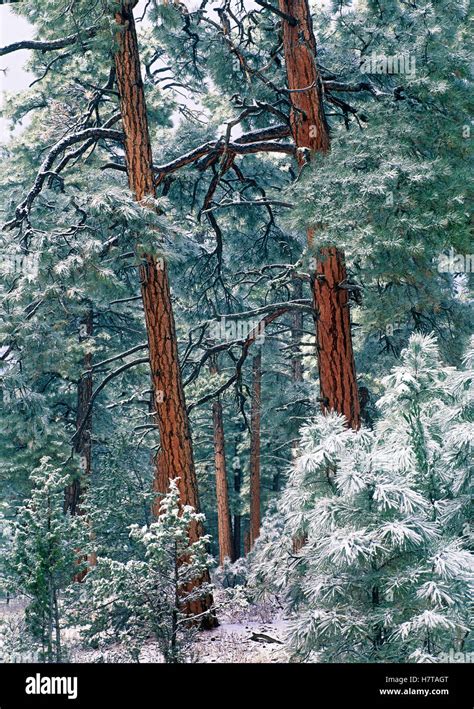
<point>252,634</point>
<point>252,642</point>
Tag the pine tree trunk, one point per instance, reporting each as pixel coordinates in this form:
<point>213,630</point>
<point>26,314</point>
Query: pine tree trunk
<point>175,459</point>
<point>83,442</point>
<point>255,449</point>
<point>247,543</point>
<point>237,516</point>
<point>296,335</point>
<point>74,493</point>
<point>337,375</point>
<point>338,381</point>
<point>222,493</point>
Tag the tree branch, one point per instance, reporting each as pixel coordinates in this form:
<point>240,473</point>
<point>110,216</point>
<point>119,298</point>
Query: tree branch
<point>23,209</point>
<point>45,45</point>
<point>289,18</point>
<point>123,368</point>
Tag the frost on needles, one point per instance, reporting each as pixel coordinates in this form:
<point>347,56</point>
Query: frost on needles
<point>385,573</point>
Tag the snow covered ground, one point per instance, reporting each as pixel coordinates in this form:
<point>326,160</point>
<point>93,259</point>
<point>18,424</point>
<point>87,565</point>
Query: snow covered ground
<point>252,642</point>
<point>251,635</point>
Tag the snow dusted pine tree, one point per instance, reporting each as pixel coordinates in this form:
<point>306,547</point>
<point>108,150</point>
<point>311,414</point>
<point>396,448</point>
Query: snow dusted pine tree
<point>386,574</point>
<point>392,193</point>
<point>43,559</point>
<point>147,597</point>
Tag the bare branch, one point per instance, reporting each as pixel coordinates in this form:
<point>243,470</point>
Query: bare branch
<point>23,209</point>
<point>119,356</point>
<point>45,45</point>
<point>123,368</point>
<point>289,18</point>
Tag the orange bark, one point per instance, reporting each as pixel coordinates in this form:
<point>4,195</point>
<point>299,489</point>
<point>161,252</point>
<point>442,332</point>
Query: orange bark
<point>175,459</point>
<point>224,527</point>
<point>255,449</point>
<point>337,374</point>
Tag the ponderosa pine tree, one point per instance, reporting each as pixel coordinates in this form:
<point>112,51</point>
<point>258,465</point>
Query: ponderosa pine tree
<point>393,190</point>
<point>43,558</point>
<point>150,595</point>
<point>175,459</point>
<point>386,569</point>
<point>224,525</point>
<point>336,365</point>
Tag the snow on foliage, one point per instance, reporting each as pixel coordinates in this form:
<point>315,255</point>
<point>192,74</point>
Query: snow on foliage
<point>383,570</point>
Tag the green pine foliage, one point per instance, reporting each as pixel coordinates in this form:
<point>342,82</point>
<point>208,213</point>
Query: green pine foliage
<point>394,192</point>
<point>377,507</point>
<point>43,559</point>
<point>385,573</point>
<point>145,598</point>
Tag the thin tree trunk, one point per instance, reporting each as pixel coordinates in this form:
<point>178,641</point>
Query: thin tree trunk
<point>296,335</point>
<point>175,459</point>
<point>57,626</point>
<point>222,493</point>
<point>337,375</point>
<point>255,449</point>
<point>237,516</point>
<point>247,543</point>
<point>74,493</point>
